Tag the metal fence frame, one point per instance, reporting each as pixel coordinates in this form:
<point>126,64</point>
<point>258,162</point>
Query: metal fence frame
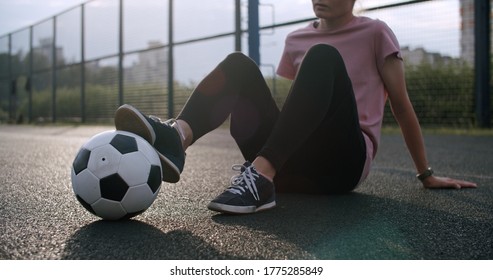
<point>482,55</point>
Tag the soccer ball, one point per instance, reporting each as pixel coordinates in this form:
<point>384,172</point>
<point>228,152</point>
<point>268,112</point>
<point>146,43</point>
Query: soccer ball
<point>116,175</point>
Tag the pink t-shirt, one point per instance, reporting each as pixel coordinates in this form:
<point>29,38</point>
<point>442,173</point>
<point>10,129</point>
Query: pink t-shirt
<point>364,44</point>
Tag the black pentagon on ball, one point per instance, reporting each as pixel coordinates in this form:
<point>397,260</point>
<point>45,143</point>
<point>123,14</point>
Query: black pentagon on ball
<point>113,187</point>
<point>154,180</point>
<point>124,144</point>
<point>81,160</point>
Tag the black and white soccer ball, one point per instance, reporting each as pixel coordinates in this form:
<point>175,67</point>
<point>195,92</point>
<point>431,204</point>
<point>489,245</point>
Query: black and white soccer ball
<point>116,175</point>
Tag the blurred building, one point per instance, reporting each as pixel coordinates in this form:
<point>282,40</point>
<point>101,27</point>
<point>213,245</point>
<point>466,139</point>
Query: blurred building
<point>467,29</point>
<point>151,66</point>
<point>45,49</point>
<point>418,56</point>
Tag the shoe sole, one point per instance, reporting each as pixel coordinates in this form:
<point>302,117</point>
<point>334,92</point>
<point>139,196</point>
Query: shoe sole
<point>231,209</point>
<point>171,173</point>
<point>127,118</point>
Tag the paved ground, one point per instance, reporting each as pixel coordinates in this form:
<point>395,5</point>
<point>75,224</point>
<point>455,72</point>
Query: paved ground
<point>389,217</point>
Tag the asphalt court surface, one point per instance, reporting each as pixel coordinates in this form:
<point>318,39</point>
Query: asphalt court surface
<point>390,216</point>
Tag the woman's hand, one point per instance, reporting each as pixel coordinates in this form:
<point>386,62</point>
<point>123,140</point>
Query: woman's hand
<point>434,182</point>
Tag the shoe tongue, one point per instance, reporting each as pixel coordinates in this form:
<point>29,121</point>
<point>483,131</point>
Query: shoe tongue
<point>246,165</point>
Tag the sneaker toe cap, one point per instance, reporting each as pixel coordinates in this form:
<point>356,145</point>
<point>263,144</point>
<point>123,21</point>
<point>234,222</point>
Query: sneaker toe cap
<point>230,199</point>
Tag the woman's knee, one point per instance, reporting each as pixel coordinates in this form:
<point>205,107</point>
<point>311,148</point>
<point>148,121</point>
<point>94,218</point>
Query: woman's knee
<point>322,53</point>
<point>323,49</point>
<point>239,67</point>
<point>239,58</point>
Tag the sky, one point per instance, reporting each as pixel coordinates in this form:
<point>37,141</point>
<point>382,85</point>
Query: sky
<point>17,14</point>
<point>441,17</point>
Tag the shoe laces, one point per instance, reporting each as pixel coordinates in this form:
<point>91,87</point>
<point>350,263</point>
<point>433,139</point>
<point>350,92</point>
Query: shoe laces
<point>244,181</point>
<point>156,118</point>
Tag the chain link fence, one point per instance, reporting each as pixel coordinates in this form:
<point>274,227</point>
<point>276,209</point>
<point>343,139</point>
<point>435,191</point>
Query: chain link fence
<point>80,65</point>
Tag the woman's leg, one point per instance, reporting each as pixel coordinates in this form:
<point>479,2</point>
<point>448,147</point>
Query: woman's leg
<point>317,144</point>
<point>234,88</point>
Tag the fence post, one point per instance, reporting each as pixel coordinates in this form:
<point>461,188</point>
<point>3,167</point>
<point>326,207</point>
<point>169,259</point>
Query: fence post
<point>53,73</point>
<point>29,85</point>
<point>238,31</point>
<point>82,65</point>
<point>170,61</point>
<point>120,54</point>
<point>10,80</point>
<point>482,62</point>
<point>253,31</point>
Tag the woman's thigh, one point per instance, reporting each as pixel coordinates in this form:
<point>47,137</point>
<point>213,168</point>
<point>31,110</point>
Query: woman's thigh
<point>331,160</point>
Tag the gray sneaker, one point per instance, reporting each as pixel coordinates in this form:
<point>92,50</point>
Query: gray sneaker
<point>163,136</point>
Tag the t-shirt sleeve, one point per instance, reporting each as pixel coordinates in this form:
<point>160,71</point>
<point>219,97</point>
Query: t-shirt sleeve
<point>385,44</point>
<point>286,66</point>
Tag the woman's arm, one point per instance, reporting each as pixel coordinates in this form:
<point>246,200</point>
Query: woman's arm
<point>395,83</point>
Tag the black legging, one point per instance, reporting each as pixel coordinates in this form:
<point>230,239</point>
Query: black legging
<point>315,142</point>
